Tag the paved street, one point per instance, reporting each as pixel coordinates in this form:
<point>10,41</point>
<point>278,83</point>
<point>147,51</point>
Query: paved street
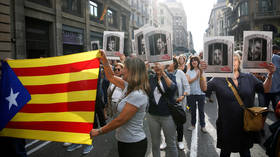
<point>197,144</point>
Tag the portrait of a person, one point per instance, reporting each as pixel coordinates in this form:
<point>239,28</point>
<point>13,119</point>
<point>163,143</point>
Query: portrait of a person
<point>257,49</point>
<point>158,44</point>
<point>141,45</point>
<point>113,43</point>
<point>217,57</point>
<point>94,46</point>
<point>218,54</point>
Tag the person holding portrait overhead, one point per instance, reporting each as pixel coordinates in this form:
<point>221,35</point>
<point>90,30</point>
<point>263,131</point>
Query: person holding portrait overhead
<point>231,136</point>
<point>257,49</point>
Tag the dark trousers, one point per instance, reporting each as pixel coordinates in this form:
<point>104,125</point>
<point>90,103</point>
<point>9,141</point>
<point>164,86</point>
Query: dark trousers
<point>180,132</point>
<point>273,97</point>
<point>137,149</point>
<point>245,153</point>
<point>99,112</point>
<point>12,147</point>
<point>200,100</point>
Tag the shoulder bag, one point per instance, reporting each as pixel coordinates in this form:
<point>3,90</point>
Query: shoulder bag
<point>177,112</point>
<point>253,116</point>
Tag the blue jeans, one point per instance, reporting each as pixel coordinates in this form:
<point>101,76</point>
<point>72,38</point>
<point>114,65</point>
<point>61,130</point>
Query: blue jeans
<point>197,100</point>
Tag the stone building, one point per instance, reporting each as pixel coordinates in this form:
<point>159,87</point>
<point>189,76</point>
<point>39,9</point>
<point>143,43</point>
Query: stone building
<point>56,27</point>
<point>254,15</point>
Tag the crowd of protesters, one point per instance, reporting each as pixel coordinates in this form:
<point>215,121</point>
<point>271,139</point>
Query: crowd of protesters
<point>130,90</point>
<point>181,82</point>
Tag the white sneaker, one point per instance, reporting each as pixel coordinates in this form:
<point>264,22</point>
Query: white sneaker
<point>203,129</point>
<point>66,144</point>
<point>163,146</point>
<point>191,128</point>
<point>181,145</point>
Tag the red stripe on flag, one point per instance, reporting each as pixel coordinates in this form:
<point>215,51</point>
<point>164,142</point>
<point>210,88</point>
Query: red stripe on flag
<point>74,127</point>
<point>59,107</point>
<point>57,69</point>
<point>64,87</point>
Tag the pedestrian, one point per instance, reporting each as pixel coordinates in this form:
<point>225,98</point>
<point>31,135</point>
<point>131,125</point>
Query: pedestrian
<point>231,136</point>
<point>183,91</point>
<point>274,94</point>
<point>159,117</point>
<point>114,92</point>
<point>182,63</point>
<point>131,109</point>
<point>196,97</point>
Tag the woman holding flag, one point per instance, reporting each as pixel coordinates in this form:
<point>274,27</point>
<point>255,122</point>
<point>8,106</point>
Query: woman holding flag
<point>131,109</point>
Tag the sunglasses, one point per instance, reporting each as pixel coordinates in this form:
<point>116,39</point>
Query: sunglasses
<point>117,69</point>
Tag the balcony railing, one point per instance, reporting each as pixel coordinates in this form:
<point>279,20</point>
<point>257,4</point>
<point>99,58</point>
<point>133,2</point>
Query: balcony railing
<point>262,14</point>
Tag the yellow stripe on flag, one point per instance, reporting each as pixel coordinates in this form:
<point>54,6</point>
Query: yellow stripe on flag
<point>51,61</point>
<point>48,135</point>
<point>54,116</point>
<point>60,78</point>
<point>86,95</point>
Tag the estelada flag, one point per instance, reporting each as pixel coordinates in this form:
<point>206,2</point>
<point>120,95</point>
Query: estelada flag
<point>63,93</point>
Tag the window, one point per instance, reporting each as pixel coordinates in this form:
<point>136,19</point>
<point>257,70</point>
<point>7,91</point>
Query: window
<point>243,9</point>
<point>93,9</point>
<point>112,18</point>
<point>266,5</point>
<point>42,2</point>
<point>72,6</point>
<point>162,20</point>
<point>123,22</point>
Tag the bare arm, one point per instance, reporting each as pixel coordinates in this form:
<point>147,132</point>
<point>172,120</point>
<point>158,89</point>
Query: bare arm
<point>193,79</point>
<point>127,113</point>
<point>119,82</point>
<point>267,83</point>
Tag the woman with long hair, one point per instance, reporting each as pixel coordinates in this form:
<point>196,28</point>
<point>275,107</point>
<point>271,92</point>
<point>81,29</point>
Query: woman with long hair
<point>231,137</point>
<point>131,109</point>
<point>196,94</point>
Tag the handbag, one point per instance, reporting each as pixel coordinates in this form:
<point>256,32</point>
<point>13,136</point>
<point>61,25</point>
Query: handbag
<point>177,112</point>
<point>253,116</point>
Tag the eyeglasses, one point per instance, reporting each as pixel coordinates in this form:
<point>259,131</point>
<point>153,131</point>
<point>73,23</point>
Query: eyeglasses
<point>117,69</point>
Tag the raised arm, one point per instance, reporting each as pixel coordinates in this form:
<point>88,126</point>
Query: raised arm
<point>267,83</point>
<point>119,82</point>
<point>203,83</point>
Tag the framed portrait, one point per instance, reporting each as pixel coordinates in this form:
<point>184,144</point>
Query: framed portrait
<point>113,43</point>
<point>218,54</point>
<point>257,47</point>
<point>158,45</point>
<point>94,45</point>
<point>140,48</point>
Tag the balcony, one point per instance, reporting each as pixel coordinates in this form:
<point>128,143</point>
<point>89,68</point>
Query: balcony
<point>267,14</point>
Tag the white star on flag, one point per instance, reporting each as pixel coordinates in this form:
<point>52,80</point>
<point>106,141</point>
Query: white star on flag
<point>12,99</point>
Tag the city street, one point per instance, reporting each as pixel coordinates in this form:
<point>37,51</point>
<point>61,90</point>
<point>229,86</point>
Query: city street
<point>197,144</point>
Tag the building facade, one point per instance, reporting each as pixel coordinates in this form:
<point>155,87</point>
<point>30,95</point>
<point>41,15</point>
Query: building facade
<point>180,33</point>
<point>254,15</point>
<point>217,20</point>
<point>57,27</point>
<point>6,27</point>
